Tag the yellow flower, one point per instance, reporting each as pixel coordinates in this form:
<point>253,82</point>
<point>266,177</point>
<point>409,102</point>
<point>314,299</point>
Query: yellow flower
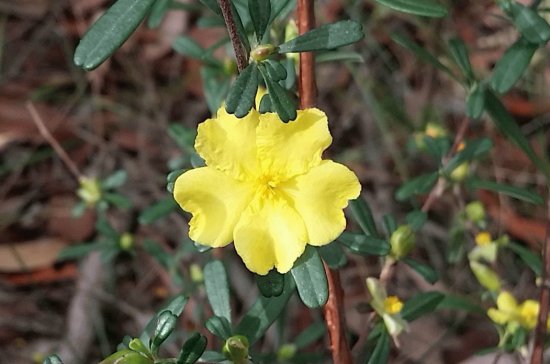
<point>387,307</point>
<point>483,238</point>
<point>509,312</point>
<point>393,305</point>
<point>266,187</point>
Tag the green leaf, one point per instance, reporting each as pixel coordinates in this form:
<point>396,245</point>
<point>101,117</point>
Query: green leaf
<point>507,125</point>
<point>272,284</point>
<point>212,356</point>
<point>515,192</point>
<point>158,10</point>
<point>426,271</point>
<point>339,56</point>
<point>531,259</point>
<point>530,24</point>
<point>459,52</point>
<point>115,180</point>
<point>420,52</point>
<point>176,305</point>
<point>275,69</point>
<point>52,359</point>
<point>421,304</point>
<point>138,346</point>
<point>363,244</point>
<point>427,8</point>
<point>79,251</point>
<point>327,37</point>
<point>108,33</point>
<point>311,281</point>
<point>214,6</point>
<point>217,289</point>
<point>166,324</point>
<point>192,349</point>
<point>187,46</point>
<point>262,314</point>
<point>416,219</point>
<point>313,333</point>
<point>127,357</point>
<point>171,179</point>
<point>265,104</point>
<point>390,224</point>
<point>118,200</point>
<point>260,13</point>
<point>381,351</point>
<point>219,326</point>
<point>243,92</point>
<point>156,251</point>
<point>452,302</point>
<point>416,186</point>
<point>216,86</point>
<point>511,66</point>
<point>103,226</point>
<point>333,255</point>
<point>281,101</point>
<point>473,150</point>
<point>475,102</point>
<point>157,211</point>
<point>362,213</point>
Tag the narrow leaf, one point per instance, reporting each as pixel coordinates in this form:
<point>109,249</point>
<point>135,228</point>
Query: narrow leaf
<point>381,351</point>
<point>452,302</point>
<point>420,52</point>
<point>272,284</point>
<point>362,213</point>
<point>217,289</point>
<point>512,65</point>
<point>339,56</point>
<point>327,37</point>
<point>108,33</point>
<point>313,333</point>
<point>416,219</point>
<point>421,304</point>
<point>426,271</point>
<point>157,211</point>
<point>529,23</point>
<point>333,255</point>
<point>115,180</point>
<point>363,244</point>
<point>309,274</point>
<point>243,92</point>
<point>531,259</point>
<point>416,186</point>
<point>281,101</point>
<point>475,102</point>
<point>260,13</point>
<point>192,349</point>
<point>459,52</point>
<point>214,6</point>
<point>219,326</point>
<point>158,10</point>
<point>427,8</point>
<point>515,192</point>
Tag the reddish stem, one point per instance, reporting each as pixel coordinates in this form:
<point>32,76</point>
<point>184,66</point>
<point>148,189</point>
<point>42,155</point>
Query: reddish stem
<point>306,83</point>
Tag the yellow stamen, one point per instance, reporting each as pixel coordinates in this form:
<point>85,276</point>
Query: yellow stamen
<point>393,305</point>
<point>483,238</point>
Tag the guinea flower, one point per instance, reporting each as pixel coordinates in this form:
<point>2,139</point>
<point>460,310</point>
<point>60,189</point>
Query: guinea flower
<point>265,187</point>
<point>387,307</point>
<point>511,313</point>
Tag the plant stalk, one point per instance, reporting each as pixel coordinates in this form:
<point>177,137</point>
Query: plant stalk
<point>240,54</point>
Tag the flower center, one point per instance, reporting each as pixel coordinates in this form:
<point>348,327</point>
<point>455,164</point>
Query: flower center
<point>393,305</point>
<point>266,186</point>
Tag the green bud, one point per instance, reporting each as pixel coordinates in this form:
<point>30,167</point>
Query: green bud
<point>138,346</point>
<point>126,241</point>
<point>402,241</point>
<point>236,349</point>
<point>460,173</point>
<point>165,325</point>
<point>127,357</point>
<point>475,211</point>
<point>262,52</point>
<point>196,274</point>
<point>485,276</point>
<point>286,352</point>
<point>89,191</point>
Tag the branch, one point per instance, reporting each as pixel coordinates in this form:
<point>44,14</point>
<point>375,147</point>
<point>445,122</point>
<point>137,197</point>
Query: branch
<point>240,54</point>
<point>306,84</point>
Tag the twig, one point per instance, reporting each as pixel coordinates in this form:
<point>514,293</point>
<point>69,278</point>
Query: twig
<point>306,84</point>
<point>544,299</point>
<point>240,54</point>
<point>52,141</point>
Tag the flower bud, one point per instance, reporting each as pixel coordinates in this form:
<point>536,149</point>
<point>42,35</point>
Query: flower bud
<point>475,212</point>
<point>126,241</point>
<point>402,241</point>
<point>485,276</point>
<point>236,349</point>
<point>262,52</point>
<point>196,274</point>
<point>286,352</point>
<point>89,191</point>
<point>460,173</point>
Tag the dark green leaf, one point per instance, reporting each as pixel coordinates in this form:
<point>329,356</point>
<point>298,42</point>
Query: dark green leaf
<point>475,102</point>
<point>511,66</point>
<point>460,55</point>
<point>381,351</point>
<point>265,104</point>
<point>515,192</point>
<point>79,251</point>
<point>158,10</point>
<point>473,150</point>
<point>217,289</point>
<point>272,284</point>
<point>260,13</point>
<point>420,52</point>
<point>115,180</point>
<point>507,125</point>
<point>108,33</point>
<point>282,8</point>
<point>156,251</point>
<point>333,255</point>
<point>219,326</point>
<point>417,186</point>
<point>118,200</point>
<point>243,92</point>
<point>262,314</point>
<point>363,244</point>
<point>437,147</point>
<point>275,69</point>
<point>426,271</point>
<point>176,305</point>
<point>451,302</point>
<point>531,259</point>
<point>281,101</point>
<point>290,81</point>
<point>188,47</point>
<point>157,211</point>
<point>103,226</point>
<point>313,333</point>
<point>390,224</point>
<point>213,356</point>
<point>427,8</point>
<point>127,357</point>
<point>214,6</point>
<point>192,349</point>
<point>311,280</point>
<point>327,37</point>
<point>362,213</point>
<point>216,87</point>
<point>52,359</point>
<point>416,219</point>
<point>421,304</point>
<point>339,56</point>
<point>530,24</point>
<point>171,179</point>
<point>166,324</point>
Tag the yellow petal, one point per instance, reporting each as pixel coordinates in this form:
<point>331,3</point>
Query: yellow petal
<point>216,202</point>
<point>498,317</point>
<point>528,313</point>
<point>270,234</point>
<point>228,143</point>
<point>506,302</point>
<point>295,147</point>
<point>319,197</point>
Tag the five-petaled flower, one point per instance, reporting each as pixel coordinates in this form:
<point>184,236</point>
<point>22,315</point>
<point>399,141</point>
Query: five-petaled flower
<point>266,187</point>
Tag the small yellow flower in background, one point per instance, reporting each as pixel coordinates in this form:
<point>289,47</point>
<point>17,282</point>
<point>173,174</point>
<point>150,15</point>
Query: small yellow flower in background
<point>387,307</point>
<point>89,191</point>
<point>512,314</point>
<point>483,238</point>
<point>266,187</point>
<point>485,276</point>
<point>486,248</point>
